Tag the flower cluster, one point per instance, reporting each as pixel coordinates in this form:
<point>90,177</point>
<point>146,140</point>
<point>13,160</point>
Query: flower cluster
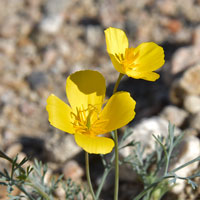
<point>87,118</point>
<point>138,62</point>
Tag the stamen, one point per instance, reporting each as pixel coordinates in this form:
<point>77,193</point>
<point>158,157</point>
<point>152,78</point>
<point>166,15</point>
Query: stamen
<point>119,57</point>
<point>86,121</point>
<point>130,58</point>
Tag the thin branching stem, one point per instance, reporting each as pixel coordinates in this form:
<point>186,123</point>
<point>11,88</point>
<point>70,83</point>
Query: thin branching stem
<point>88,175</point>
<point>167,176</point>
<point>108,167</point>
<point>105,174</point>
<point>27,181</point>
<point>24,191</point>
<point>171,140</point>
<point>116,167</point>
<point>43,194</point>
<point>116,147</point>
<point>186,164</point>
<point>117,83</point>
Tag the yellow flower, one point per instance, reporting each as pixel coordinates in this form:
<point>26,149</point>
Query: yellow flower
<point>85,117</point>
<point>138,62</point>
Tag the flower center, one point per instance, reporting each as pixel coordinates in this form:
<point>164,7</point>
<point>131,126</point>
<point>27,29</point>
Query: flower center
<point>128,61</point>
<point>86,121</point>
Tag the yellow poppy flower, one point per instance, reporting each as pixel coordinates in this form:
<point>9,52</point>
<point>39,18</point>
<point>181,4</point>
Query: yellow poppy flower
<point>139,62</point>
<point>85,117</point>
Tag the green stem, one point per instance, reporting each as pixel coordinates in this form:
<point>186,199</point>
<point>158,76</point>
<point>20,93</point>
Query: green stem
<point>117,83</point>
<point>43,194</point>
<point>116,147</point>
<point>139,196</point>
<point>116,167</point>
<point>152,186</point>
<point>88,175</point>
<point>24,191</point>
<point>168,159</point>
<point>106,172</point>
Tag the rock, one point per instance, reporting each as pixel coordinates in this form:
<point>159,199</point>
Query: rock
<point>190,81</point>
<point>7,97</point>
<point>187,150</point>
<point>60,193</point>
<point>192,103</point>
<point>50,57</point>
<point>27,108</point>
<point>173,25</point>
<point>55,7</point>
<point>51,24</point>
<point>182,59</point>
<point>9,137</point>
<point>94,35</point>
<point>196,36</point>
<point>54,18</point>
<point>187,84</point>
<point>48,176</point>
<point>8,46</point>
<point>13,150</point>
<point>10,30</point>
<point>177,94</point>
<point>195,121</point>
<point>61,147</point>
<point>36,79</point>
<point>191,131</point>
<point>143,132</point>
<point>72,170</point>
<point>191,11</point>
<point>110,15</point>
<point>188,9</point>
<point>174,114</point>
<point>167,7</point>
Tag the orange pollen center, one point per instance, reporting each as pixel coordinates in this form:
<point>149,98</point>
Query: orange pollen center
<point>128,60</point>
<point>86,121</point>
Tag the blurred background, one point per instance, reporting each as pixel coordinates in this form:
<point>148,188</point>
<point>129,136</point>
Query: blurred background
<point>43,41</point>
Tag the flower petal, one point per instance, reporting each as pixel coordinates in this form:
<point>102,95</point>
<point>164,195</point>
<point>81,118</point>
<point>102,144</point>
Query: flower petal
<point>96,145</point>
<point>85,88</point>
<point>151,57</point>
<point>148,76</point>
<point>119,111</point>
<point>59,114</point>
<point>116,41</point>
<point>116,64</point>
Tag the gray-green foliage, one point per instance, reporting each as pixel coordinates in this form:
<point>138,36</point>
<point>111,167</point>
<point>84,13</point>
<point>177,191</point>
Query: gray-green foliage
<point>31,182</point>
<point>153,171</point>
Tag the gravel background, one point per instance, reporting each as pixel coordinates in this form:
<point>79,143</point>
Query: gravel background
<point>43,41</point>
